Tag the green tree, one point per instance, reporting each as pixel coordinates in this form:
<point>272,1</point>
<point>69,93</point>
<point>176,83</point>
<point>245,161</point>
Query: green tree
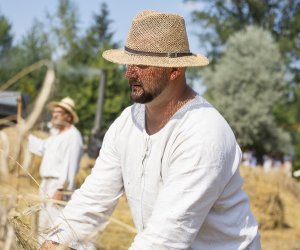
<point>79,72</point>
<point>64,24</point>
<point>98,38</point>
<point>220,19</point>
<point>6,39</point>
<point>245,85</point>
<point>33,47</point>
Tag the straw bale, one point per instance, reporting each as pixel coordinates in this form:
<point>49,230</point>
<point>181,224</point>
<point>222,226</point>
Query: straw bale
<point>264,193</point>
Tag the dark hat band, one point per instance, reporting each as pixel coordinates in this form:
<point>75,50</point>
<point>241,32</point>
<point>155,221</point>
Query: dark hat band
<point>170,55</point>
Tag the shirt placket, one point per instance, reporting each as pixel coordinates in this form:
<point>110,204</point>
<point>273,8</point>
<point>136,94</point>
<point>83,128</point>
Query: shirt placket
<point>146,154</point>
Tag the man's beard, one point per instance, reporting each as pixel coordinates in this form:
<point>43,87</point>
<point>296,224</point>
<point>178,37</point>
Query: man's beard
<point>144,97</point>
<point>59,124</point>
<point>141,95</point>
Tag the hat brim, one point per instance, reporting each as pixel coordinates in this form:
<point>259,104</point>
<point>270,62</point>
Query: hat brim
<point>51,105</point>
<point>119,56</point>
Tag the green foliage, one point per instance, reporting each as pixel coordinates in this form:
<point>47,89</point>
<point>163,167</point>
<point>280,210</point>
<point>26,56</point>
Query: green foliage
<point>5,36</point>
<point>289,115</point>
<point>220,19</point>
<point>245,85</point>
<point>99,38</point>
<point>33,47</point>
<point>296,138</point>
<point>116,96</point>
<point>77,58</point>
<point>79,70</point>
<point>5,48</point>
<point>64,25</point>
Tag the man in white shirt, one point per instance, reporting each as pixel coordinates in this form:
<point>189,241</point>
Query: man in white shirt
<point>61,153</point>
<point>172,153</point>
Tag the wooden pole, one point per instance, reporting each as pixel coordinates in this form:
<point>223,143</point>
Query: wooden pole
<point>19,117</point>
<point>19,109</point>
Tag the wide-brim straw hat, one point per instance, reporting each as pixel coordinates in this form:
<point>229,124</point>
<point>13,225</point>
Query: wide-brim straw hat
<point>156,39</point>
<point>67,104</point>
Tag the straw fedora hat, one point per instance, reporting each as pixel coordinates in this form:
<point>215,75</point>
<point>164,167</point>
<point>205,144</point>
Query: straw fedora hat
<point>156,39</point>
<point>67,104</point>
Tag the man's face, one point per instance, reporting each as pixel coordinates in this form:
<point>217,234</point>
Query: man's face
<point>146,82</point>
<point>60,117</point>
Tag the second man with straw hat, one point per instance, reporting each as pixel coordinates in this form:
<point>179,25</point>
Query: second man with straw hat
<point>61,153</point>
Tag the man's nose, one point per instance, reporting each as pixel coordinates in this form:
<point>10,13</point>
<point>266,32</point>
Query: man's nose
<point>54,114</point>
<point>130,72</point>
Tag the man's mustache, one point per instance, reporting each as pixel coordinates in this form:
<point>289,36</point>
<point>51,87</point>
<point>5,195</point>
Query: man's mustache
<point>59,122</point>
<point>135,82</point>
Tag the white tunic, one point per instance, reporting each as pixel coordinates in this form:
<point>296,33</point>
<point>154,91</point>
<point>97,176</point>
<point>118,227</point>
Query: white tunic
<point>61,156</point>
<point>182,184</point>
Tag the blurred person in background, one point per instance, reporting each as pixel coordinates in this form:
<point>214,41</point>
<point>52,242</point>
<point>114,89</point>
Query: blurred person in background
<point>172,153</point>
<point>61,153</point>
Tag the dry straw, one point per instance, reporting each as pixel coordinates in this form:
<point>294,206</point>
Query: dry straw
<point>15,233</point>
<point>19,209</point>
<point>4,155</point>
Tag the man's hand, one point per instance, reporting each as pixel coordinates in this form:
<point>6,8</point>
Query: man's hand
<point>48,245</point>
<point>58,195</point>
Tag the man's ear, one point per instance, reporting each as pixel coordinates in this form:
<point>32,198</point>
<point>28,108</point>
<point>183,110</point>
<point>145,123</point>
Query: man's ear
<point>175,73</point>
<point>70,118</point>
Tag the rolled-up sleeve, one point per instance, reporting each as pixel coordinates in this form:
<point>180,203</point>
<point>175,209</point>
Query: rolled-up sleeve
<point>196,177</point>
<point>86,212</point>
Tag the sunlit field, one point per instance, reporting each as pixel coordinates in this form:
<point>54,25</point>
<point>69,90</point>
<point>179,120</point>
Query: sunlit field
<point>275,201</point>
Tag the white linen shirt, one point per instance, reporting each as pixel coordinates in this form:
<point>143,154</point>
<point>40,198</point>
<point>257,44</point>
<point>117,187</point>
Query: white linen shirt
<point>61,156</point>
<point>182,184</point>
